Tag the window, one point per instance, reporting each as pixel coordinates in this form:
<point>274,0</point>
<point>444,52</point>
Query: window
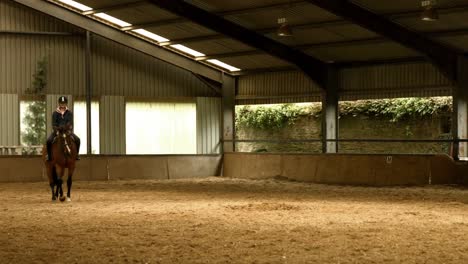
<point>161,128</point>
<point>80,123</point>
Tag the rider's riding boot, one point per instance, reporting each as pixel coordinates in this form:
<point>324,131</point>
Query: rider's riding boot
<point>78,150</point>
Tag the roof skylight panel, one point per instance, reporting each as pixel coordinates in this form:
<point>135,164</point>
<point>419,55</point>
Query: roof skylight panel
<point>76,5</point>
<point>150,35</point>
<point>187,50</point>
<point>223,65</point>
<point>113,20</point>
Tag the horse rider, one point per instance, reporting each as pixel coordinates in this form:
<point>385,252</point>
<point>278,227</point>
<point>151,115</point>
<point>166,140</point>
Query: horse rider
<point>62,116</point>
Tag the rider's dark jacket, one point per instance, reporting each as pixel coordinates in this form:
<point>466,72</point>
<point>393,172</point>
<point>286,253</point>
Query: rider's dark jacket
<point>62,120</point>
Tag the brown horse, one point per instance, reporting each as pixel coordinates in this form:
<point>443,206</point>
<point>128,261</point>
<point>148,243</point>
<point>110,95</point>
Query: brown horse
<point>64,154</point>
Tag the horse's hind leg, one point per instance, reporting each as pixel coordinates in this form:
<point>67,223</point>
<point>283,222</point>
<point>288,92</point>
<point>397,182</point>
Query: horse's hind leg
<point>71,169</point>
<point>57,182</point>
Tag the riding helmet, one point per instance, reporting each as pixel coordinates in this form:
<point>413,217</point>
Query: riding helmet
<point>63,100</point>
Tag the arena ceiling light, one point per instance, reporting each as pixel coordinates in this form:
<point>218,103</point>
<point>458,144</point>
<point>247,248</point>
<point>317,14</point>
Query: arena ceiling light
<point>76,5</point>
<point>223,65</point>
<point>187,50</point>
<point>112,20</point>
<point>429,12</point>
<point>150,35</point>
<point>284,30</point>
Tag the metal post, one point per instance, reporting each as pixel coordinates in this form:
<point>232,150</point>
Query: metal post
<point>229,90</point>
<point>460,109</point>
<point>330,113</point>
<point>88,91</point>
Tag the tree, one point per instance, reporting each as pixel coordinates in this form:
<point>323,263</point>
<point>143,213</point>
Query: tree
<point>35,118</point>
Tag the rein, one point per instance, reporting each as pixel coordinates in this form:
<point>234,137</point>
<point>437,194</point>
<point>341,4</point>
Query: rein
<point>67,148</point>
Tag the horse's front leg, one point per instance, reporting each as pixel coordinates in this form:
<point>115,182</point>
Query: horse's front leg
<point>60,172</point>
<point>50,175</point>
<point>69,183</point>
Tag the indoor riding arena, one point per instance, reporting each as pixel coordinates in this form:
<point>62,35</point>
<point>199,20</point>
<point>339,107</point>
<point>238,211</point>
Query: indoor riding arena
<point>261,131</point>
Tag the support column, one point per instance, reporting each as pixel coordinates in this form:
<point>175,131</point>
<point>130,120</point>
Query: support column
<point>330,99</point>
<point>229,92</point>
<point>460,110</point>
<point>88,92</point>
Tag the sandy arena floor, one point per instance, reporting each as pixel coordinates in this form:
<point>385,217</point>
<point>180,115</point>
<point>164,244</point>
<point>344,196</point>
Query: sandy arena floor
<point>217,220</point>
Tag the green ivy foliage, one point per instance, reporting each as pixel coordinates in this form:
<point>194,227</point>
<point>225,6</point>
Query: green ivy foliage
<point>398,109</point>
<point>280,116</point>
<point>275,117</point>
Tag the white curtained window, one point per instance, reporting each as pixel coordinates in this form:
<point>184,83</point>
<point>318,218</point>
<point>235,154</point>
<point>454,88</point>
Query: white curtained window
<point>79,120</point>
<point>161,128</point>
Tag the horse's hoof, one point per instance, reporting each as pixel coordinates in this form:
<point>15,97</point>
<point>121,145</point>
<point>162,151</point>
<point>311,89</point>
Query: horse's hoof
<point>54,200</point>
<point>62,198</point>
<point>68,199</point>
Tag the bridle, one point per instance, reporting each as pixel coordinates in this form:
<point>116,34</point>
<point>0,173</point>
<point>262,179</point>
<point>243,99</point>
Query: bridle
<point>67,148</point>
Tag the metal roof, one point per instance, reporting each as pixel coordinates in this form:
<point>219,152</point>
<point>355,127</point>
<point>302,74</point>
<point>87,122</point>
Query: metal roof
<point>316,32</point>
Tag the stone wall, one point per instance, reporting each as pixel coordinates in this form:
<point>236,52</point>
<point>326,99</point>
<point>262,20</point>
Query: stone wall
<point>360,127</point>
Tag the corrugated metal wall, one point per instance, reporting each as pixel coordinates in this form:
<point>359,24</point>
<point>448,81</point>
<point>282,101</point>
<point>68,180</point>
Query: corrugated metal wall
<point>393,80</point>
<point>15,17</point>
<point>51,105</point>
<point>208,125</point>
<point>276,87</point>
<point>112,125</point>
<point>9,120</point>
<point>19,55</point>
<point>372,82</point>
<point>118,70</point>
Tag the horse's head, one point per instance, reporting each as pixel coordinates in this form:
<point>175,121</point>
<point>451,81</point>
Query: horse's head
<point>63,138</point>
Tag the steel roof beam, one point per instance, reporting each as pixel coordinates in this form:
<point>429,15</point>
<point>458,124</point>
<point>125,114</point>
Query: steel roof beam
<point>193,39</point>
<point>444,57</point>
<point>314,68</point>
<point>339,65</point>
<point>230,54</point>
<point>155,23</point>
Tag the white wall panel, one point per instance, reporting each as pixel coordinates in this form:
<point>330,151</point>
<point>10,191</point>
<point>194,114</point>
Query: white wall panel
<point>112,124</point>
